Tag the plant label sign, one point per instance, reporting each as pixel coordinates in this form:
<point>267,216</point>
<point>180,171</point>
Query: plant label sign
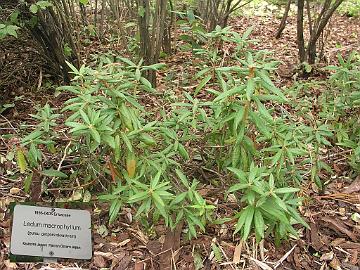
<point>51,232</point>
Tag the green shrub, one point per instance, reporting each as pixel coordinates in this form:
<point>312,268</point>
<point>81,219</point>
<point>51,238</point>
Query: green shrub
<point>237,129</point>
<point>345,107</point>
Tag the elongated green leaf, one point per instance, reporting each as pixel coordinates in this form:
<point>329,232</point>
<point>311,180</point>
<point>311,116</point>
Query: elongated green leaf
<point>237,187</point>
<point>297,217</point>
<point>217,252</point>
<point>85,117</point>
<point>272,211</point>
<point>114,210</point>
<point>32,136</point>
<point>182,178</point>
<point>248,222</point>
<point>179,198</point>
<point>157,199</point>
<point>241,220</point>
<point>201,85</point>
<point>250,88</point>
<point>235,155</point>
<point>286,190</point>
<point>276,158</point>
<point>27,182</point>
<point>192,230</point>
<point>260,124</point>
<point>268,84</point>
<point>156,66</point>
<point>263,111</point>
<point>223,84</point>
<point>247,33</point>
<point>127,61</point>
<point>71,66</point>
<point>201,72</point>
<point>239,174</point>
<point>109,140</point>
<point>233,91</point>
<point>127,141</point>
<point>259,223</point>
<point>155,180</point>
<point>54,173</point>
<point>179,216</point>
<point>95,134</point>
<point>144,207</point>
<point>138,197</point>
<point>196,221</point>
<point>160,207</point>
<point>240,135</point>
<point>239,117</point>
<point>182,151</point>
<point>280,202</point>
<point>76,126</point>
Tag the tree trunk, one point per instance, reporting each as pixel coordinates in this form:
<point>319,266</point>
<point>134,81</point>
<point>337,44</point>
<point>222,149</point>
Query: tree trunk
<point>95,13</point>
<point>102,19</point>
<point>300,30</point>
<point>308,9</point>
<point>53,31</point>
<point>168,27</point>
<point>283,20</point>
<point>83,13</point>
<point>143,22</point>
<point>157,37</point>
<point>323,19</point>
<point>150,46</point>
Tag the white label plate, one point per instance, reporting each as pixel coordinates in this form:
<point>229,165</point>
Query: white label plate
<point>51,232</point>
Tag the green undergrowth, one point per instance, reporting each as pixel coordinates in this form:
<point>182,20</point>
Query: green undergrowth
<point>350,8</point>
<point>263,142</point>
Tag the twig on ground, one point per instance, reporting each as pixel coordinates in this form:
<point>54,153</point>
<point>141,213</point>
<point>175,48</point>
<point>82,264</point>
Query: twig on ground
<point>223,252</point>
<point>262,265</point>
<point>283,258</point>
<point>12,127</point>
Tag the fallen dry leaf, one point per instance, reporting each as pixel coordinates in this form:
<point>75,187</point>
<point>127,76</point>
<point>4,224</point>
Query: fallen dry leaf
<point>350,245</point>
<point>99,262</point>
<point>327,256</point>
<point>297,261</point>
<point>339,226</point>
<point>154,247</point>
<point>354,186</point>
<point>262,265</point>
<point>124,243</point>
<point>15,190</point>
<point>170,246</point>
<point>354,256</point>
<point>139,266</point>
<point>315,238</point>
<point>335,264</point>
<point>124,263</point>
<point>35,187</point>
<point>107,255</point>
<point>9,265</point>
<point>337,241</point>
<point>237,252</point>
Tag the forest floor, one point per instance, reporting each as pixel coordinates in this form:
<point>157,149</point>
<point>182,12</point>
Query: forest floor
<point>332,243</point>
